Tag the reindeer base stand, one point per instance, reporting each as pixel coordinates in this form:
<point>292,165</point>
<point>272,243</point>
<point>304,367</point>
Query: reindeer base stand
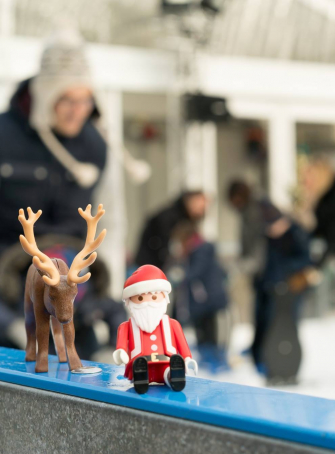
<point>50,291</point>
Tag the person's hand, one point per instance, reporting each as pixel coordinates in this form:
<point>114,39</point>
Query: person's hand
<point>278,228</point>
<point>191,364</point>
<point>120,356</point>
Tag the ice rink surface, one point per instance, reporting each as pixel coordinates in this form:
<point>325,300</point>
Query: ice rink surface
<point>317,372</point>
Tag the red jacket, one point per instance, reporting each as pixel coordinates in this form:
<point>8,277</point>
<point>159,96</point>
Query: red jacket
<point>167,339</point>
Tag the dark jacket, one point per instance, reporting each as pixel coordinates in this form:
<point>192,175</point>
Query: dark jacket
<point>325,217</point>
<point>200,287</point>
<point>286,255</point>
<point>258,214</point>
<point>154,243</point>
<point>206,281</point>
<point>31,176</point>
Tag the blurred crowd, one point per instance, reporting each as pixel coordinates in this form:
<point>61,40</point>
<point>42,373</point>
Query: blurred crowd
<point>52,157</point>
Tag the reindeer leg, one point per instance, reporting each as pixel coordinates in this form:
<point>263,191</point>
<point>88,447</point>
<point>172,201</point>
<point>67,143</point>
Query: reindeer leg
<point>57,334</point>
<point>42,334</point>
<point>72,355</point>
<point>30,323</point>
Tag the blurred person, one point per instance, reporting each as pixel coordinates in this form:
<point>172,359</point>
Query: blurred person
<point>321,178</point>
<point>154,242</point>
<point>51,154</point>
<point>277,255</point>
<point>50,122</point>
<point>199,290</point>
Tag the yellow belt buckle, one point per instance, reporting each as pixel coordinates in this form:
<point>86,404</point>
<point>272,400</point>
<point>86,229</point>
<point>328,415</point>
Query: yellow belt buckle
<point>153,357</point>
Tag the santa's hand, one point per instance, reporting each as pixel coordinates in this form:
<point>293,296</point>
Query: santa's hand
<point>191,364</point>
<point>120,356</point>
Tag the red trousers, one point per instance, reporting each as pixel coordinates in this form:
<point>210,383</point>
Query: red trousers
<point>156,371</point>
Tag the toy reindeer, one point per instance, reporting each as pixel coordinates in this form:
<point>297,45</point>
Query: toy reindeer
<point>51,288</point>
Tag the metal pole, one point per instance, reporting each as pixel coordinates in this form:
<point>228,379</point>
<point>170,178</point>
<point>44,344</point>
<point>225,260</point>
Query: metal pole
<point>112,194</point>
<point>210,179</point>
<point>282,159</point>
<point>7,18</point>
<point>174,145</point>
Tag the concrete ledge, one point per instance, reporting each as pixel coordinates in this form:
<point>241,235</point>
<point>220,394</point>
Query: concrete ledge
<point>39,422</point>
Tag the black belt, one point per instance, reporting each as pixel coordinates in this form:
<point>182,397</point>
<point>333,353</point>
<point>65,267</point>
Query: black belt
<point>155,357</point>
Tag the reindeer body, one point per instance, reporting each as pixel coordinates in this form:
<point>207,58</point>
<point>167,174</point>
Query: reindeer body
<point>50,290</point>
<point>40,309</point>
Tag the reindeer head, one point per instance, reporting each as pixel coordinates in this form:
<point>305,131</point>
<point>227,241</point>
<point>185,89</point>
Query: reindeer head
<point>62,288</point>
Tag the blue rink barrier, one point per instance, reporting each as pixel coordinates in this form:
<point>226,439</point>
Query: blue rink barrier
<point>275,414</point>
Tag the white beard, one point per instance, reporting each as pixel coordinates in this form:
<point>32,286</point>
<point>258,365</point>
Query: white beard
<point>148,315</point>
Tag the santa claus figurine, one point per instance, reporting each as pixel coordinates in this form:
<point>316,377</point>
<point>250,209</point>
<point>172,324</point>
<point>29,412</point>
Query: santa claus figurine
<point>150,343</point>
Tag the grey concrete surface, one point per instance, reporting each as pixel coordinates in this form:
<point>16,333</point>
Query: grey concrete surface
<point>40,422</point>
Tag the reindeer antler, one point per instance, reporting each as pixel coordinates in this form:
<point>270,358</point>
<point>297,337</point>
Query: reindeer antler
<point>28,243</point>
<point>79,262</point>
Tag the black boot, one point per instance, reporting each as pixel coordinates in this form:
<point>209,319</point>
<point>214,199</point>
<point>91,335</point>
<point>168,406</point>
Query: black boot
<point>177,373</point>
<point>140,375</point>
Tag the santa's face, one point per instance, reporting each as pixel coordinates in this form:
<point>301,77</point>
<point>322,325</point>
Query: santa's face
<point>144,297</point>
<point>148,309</point>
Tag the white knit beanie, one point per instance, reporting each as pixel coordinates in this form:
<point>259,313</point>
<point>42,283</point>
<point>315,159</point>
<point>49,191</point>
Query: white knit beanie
<point>64,65</point>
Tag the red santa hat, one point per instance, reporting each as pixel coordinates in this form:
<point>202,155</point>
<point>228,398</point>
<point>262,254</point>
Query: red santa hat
<point>147,278</point>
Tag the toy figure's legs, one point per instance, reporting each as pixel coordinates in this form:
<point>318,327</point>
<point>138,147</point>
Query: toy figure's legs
<point>171,372</point>
<point>174,376</point>
<point>167,376</point>
<point>156,371</point>
<point>30,323</point>
<point>57,334</point>
<point>42,334</point>
<point>72,355</point>
<point>141,375</point>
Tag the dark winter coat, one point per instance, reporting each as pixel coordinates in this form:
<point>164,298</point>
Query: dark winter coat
<point>286,256</point>
<point>31,176</point>
<point>206,281</point>
<point>154,243</point>
<point>325,217</point>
